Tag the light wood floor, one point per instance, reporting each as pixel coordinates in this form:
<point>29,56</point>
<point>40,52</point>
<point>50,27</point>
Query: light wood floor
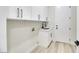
<point>56,47</point>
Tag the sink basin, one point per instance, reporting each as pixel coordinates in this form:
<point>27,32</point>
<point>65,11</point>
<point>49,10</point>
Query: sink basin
<point>44,38</point>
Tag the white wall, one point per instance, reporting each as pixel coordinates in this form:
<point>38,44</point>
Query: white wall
<point>77,23</point>
<point>20,36</point>
<point>3,41</point>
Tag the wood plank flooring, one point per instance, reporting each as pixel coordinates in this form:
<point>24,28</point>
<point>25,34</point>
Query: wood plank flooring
<point>56,47</point>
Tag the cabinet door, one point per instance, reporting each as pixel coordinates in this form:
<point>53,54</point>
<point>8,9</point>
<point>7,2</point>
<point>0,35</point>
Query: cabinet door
<point>14,12</point>
<point>44,13</point>
<point>62,23</point>
<point>39,13</point>
<point>26,12</point>
<point>36,13</point>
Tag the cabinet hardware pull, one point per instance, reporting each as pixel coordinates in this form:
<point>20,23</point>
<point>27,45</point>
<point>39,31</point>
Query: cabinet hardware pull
<point>56,26</point>
<point>39,17</point>
<point>17,12</point>
<point>46,18</point>
<point>21,13</point>
<point>69,6</point>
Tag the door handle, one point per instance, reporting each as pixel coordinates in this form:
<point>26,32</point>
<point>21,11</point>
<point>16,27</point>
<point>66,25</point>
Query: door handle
<point>56,26</point>
<point>69,28</point>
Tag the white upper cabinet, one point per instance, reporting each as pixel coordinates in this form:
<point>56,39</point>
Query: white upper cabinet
<point>14,12</point>
<point>35,13</point>
<point>26,12</point>
<point>44,14</point>
<point>20,12</point>
<point>39,13</point>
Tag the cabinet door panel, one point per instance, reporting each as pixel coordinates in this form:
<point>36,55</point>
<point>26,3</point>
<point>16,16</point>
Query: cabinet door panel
<point>14,12</point>
<point>39,13</point>
<point>26,12</point>
<point>36,12</point>
<point>44,13</point>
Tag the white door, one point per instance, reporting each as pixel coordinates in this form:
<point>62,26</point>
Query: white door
<point>62,23</point>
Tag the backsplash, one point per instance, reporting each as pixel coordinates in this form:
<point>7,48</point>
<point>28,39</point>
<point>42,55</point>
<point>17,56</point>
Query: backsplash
<point>21,31</point>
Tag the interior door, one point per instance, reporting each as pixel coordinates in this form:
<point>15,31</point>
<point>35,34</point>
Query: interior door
<point>62,23</point>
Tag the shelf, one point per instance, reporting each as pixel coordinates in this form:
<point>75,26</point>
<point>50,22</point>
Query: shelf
<point>24,20</point>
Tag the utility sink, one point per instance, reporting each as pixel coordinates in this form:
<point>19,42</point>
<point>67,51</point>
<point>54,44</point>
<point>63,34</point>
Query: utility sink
<point>44,37</point>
